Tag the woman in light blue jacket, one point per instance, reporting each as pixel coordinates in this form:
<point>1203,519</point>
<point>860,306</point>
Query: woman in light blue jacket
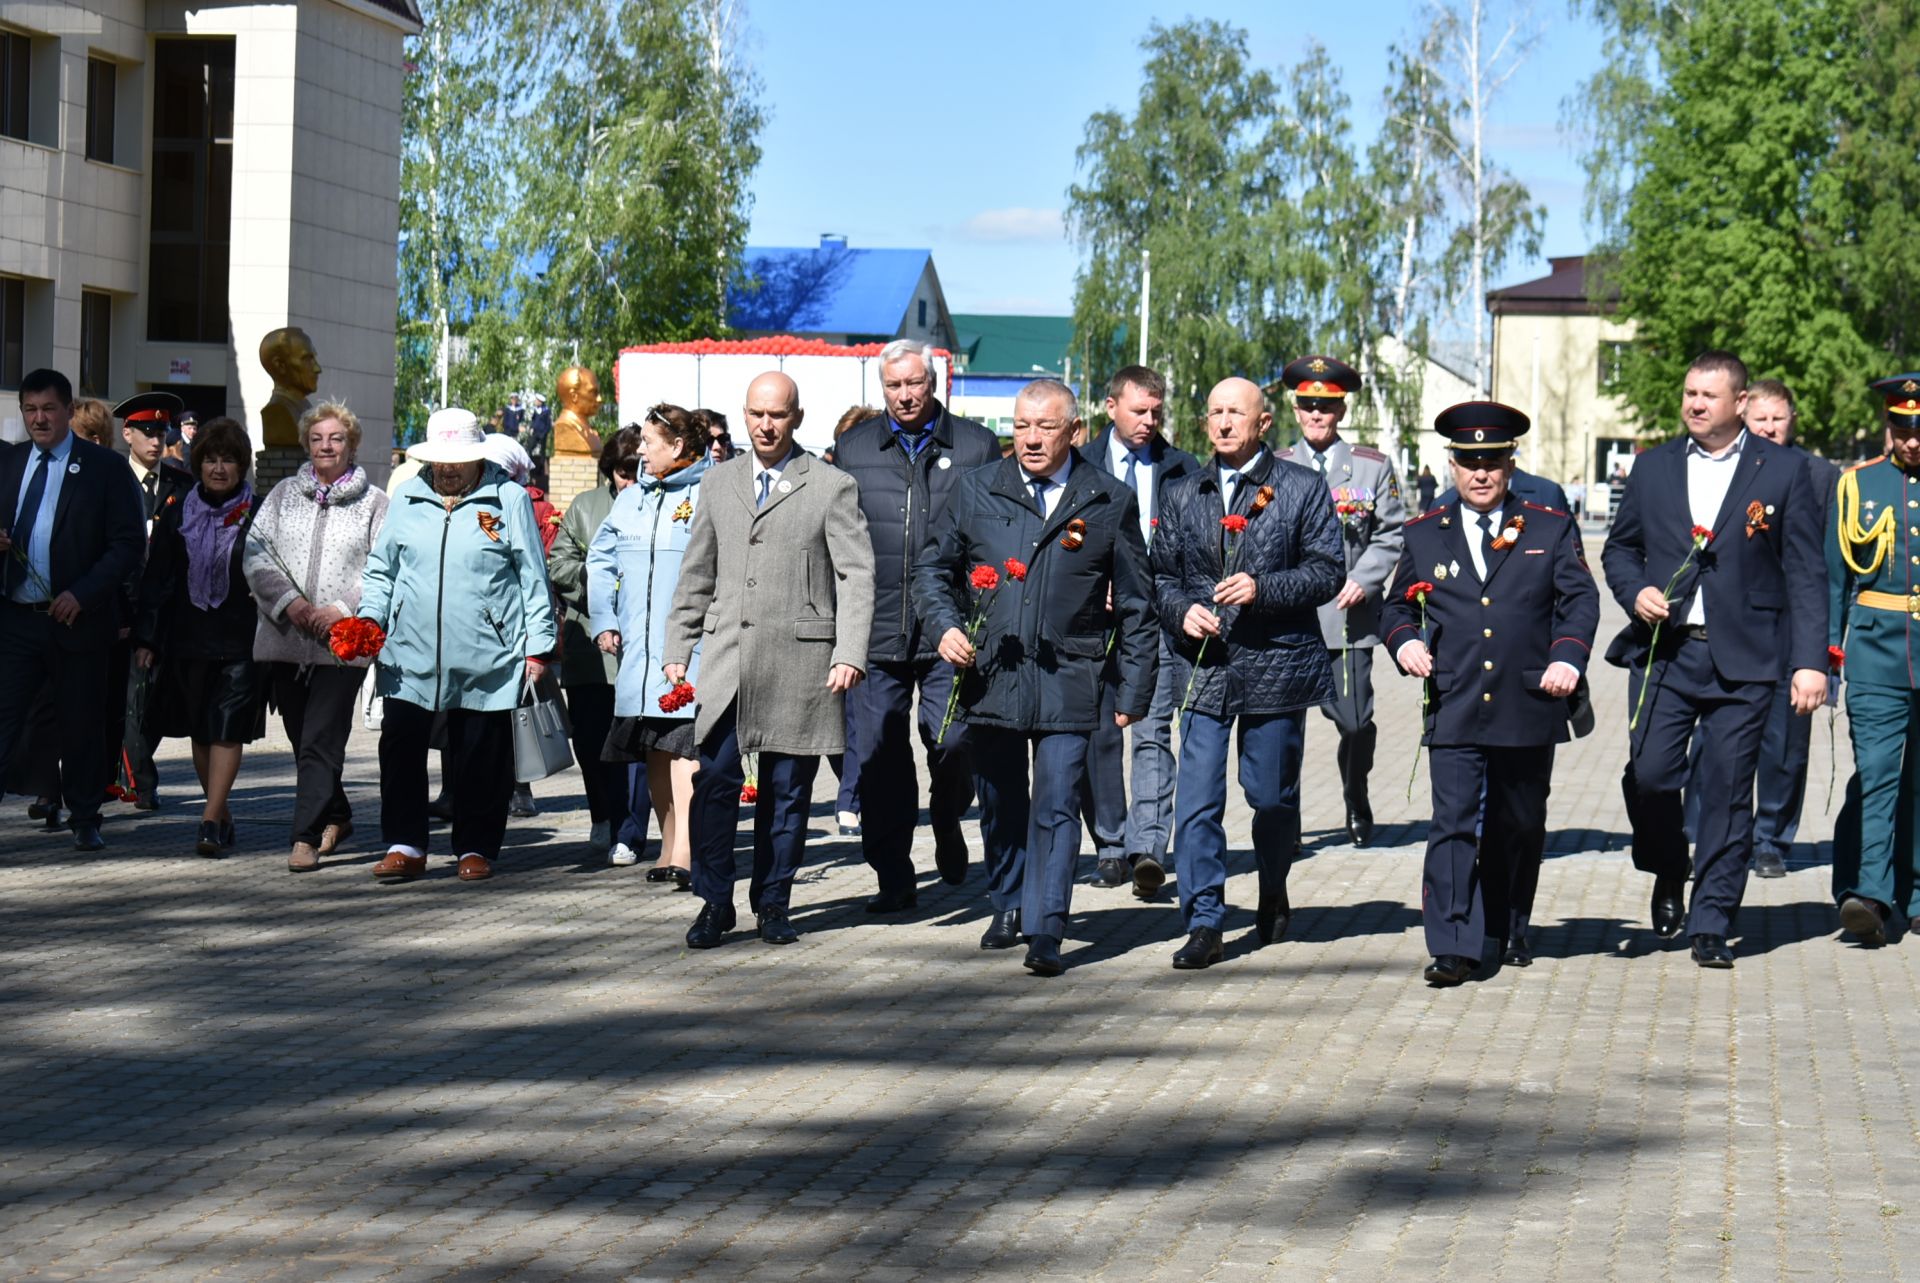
<point>458,579</point>
<point>632,566</point>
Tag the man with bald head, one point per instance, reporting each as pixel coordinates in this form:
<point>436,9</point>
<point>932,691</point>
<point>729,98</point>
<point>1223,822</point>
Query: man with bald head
<point>776,594</point>
<point>1247,550</point>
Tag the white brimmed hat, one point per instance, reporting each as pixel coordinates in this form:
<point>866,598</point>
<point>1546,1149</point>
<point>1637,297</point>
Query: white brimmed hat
<point>505,451</point>
<point>453,436</point>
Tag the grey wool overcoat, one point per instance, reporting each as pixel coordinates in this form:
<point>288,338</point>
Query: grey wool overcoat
<point>776,596</point>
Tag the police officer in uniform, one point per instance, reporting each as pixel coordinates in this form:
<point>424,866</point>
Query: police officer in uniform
<point>1366,498</point>
<point>1493,607</point>
<point>1873,617</point>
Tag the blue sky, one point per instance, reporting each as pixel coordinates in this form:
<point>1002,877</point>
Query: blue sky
<point>954,127</point>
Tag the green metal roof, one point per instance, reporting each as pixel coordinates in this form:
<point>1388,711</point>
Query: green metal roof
<point>1013,345</point>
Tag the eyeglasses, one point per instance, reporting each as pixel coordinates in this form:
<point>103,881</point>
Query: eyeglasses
<point>1318,404</point>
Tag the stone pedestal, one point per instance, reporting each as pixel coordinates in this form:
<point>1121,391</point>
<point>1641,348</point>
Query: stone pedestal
<point>571,475</point>
<point>275,464</point>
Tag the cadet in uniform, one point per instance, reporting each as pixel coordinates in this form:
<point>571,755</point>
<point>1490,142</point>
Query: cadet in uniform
<point>1366,498</point>
<point>1873,578</point>
<point>1501,641</point>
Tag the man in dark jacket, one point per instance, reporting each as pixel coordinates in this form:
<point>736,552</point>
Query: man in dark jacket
<point>907,463</point>
<point>1247,550</point>
<point>1494,606</point>
<point>1016,586</point>
<point>1134,451</point>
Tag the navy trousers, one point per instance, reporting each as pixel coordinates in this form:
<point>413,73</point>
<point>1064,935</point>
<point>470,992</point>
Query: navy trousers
<point>1481,874</point>
<point>1270,751</point>
<point>881,717</point>
<point>1030,821</point>
<point>779,820</point>
<point>32,656</point>
<point>1689,698</point>
<point>1119,830</point>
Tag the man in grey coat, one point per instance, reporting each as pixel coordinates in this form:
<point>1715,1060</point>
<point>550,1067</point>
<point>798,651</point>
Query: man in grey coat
<point>1368,503</point>
<point>777,586</point>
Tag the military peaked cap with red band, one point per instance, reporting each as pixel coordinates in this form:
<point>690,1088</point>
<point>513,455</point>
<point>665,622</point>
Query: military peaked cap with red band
<point>150,407</point>
<point>1481,425</point>
<point>1902,392</point>
<point>1320,376</point>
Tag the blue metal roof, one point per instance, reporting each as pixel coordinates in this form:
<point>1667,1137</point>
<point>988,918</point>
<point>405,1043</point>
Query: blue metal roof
<point>825,289</point>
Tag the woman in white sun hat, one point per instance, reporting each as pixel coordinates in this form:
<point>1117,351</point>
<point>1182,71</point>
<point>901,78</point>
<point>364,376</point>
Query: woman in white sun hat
<point>458,580</point>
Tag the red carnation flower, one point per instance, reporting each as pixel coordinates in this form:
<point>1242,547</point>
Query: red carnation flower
<point>1234,523</point>
<point>749,795</point>
<point>1016,569</point>
<point>1419,590</point>
<point>355,638</point>
<point>1702,535</point>
<point>677,698</point>
<point>985,578</point>
<point>237,516</point>
<point>1835,658</point>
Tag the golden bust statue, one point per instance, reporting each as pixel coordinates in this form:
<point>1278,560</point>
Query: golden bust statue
<point>287,354</point>
<point>578,393</point>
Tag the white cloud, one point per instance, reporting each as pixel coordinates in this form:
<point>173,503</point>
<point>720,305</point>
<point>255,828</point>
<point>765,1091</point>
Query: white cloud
<point>1015,224</point>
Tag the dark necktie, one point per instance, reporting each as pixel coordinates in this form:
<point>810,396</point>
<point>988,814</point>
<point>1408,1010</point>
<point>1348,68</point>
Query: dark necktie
<point>23,529</point>
<point>1133,484</point>
<point>1230,492</point>
<point>1040,495</point>
<point>1485,522</point>
<point>766,484</point>
<point>151,484</point>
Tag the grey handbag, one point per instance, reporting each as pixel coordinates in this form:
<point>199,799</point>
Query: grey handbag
<point>540,732</point>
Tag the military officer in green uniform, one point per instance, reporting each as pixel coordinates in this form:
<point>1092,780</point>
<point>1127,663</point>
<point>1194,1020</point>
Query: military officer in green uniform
<point>1367,499</point>
<point>1873,632</point>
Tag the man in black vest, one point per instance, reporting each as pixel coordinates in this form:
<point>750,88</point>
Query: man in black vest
<point>906,463</point>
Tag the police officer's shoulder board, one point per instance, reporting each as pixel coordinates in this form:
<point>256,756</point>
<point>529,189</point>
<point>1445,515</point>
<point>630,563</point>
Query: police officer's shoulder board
<point>1429,513</point>
<point>1368,452</point>
<point>1867,463</point>
<point>1541,507</point>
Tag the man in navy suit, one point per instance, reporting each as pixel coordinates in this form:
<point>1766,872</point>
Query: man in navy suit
<point>74,535</point>
<point>1130,845</point>
<point>1735,615</point>
<point>1502,637</point>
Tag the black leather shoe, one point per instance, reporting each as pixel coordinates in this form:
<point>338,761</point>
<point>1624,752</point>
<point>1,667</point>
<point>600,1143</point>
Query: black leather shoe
<point>1043,956</point>
<point>893,902</point>
<point>522,806</point>
<point>682,880</point>
<point>775,929</point>
<point>1519,951</point>
<point>56,822</point>
<point>1360,823</point>
<point>1769,863</point>
<point>1003,932</point>
<point>209,841</point>
<point>86,836</point>
<point>1712,951</point>
<point>1111,872</point>
<point>1863,919</point>
<point>1148,877</point>
<point>1669,907</point>
<point>1271,918</point>
<point>950,854</point>
<point>711,927</point>
<point>39,807</point>
<point>1449,969</point>
<point>440,809</point>
<point>1201,950</point>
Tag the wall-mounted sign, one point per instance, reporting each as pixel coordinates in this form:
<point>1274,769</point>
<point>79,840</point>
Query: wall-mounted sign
<point>180,370</point>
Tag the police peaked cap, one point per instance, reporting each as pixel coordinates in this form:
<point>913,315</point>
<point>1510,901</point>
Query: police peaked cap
<point>1902,392</point>
<point>1320,376</point>
<point>148,407</point>
<point>1481,425</point>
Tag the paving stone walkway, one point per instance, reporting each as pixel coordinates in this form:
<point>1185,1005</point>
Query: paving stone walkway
<point>217,1070</point>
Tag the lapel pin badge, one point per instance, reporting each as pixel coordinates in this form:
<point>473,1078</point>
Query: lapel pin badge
<point>784,486</point>
<point>944,463</point>
<point>73,467</point>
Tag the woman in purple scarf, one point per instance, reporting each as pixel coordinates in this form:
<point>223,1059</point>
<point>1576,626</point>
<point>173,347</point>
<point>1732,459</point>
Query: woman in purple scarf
<point>196,624</point>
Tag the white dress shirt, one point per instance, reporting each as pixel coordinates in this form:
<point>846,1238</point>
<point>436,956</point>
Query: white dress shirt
<point>39,548</point>
<point>1118,454</point>
<point>1056,483</point>
<point>771,473</point>
<point>1229,476</point>
<point>1475,548</point>
<point>1709,476</point>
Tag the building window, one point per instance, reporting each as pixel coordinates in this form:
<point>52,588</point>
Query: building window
<point>192,191</point>
<point>16,63</point>
<point>1613,357</point>
<point>13,321</point>
<point>102,80</point>
<point>96,343</point>
<point>923,314</point>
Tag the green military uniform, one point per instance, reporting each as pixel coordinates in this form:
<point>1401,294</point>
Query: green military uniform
<point>1873,617</point>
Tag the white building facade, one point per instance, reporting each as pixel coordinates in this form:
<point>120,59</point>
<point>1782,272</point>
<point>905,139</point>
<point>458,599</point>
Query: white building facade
<point>177,180</point>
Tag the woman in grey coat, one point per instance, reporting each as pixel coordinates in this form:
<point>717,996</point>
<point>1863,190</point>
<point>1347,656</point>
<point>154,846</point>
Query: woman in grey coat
<point>305,555</point>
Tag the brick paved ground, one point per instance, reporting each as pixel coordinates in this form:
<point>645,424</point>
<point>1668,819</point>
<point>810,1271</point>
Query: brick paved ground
<point>218,1070</point>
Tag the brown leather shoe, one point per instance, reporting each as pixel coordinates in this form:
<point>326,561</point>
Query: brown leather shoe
<point>304,858</point>
<point>333,835</point>
<point>474,868</point>
<point>398,866</point>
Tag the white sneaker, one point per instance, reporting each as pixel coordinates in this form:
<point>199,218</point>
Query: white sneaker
<point>849,822</point>
<point>623,855</point>
<point>602,835</point>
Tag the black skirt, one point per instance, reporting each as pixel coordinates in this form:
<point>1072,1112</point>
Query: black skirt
<point>221,701</point>
<point>632,738</point>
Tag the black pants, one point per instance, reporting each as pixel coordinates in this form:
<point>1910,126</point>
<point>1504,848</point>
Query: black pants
<point>317,704</point>
<point>34,654</point>
<point>590,712</point>
<point>779,820</point>
<point>882,714</point>
<point>135,746</point>
<point>1480,875</point>
<point>33,769</point>
<point>476,770</point>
